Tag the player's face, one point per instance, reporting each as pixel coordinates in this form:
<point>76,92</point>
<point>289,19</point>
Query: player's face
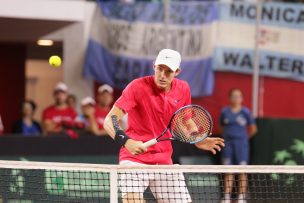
<point>236,97</point>
<point>164,76</point>
<point>60,97</point>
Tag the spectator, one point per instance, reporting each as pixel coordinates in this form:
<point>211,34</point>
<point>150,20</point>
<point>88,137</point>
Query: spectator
<point>95,116</point>
<point>237,126</point>
<point>27,126</point>
<point>88,117</point>
<point>104,104</point>
<point>1,126</point>
<point>72,101</point>
<point>58,115</point>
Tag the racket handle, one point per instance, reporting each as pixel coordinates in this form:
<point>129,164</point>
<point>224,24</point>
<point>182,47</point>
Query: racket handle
<point>150,143</point>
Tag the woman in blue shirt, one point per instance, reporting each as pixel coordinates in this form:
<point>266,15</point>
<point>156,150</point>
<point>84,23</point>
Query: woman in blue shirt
<point>237,126</point>
<point>27,126</point>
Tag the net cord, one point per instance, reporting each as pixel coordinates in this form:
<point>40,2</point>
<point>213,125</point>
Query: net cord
<point>152,168</point>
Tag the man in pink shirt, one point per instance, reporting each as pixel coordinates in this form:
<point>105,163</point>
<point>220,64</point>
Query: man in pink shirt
<point>150,102</point>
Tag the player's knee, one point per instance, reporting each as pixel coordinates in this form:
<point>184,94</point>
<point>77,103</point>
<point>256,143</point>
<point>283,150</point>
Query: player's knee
<point>133,198</point>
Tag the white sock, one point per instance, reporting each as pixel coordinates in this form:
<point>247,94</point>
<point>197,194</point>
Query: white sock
<point>227,196</point>
<point>242,196</point>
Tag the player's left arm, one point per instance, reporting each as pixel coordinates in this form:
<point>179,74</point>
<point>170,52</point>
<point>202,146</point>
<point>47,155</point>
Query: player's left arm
<point>252,130</point>
<point>252,127</point>
<point>212,144</point>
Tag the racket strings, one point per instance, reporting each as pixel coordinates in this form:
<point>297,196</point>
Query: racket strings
<point>191,124</point>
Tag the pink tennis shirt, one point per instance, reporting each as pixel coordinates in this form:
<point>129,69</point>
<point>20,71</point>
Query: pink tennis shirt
<point>149,111</point>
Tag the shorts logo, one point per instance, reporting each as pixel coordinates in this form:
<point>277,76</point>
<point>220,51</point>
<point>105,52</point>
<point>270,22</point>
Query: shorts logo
<point>122,136</point>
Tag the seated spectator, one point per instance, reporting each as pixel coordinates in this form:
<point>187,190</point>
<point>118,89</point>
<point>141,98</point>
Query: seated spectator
<point>96,114</point>
<point>58,115</point>
<point>104,104</point>
<point>27,126</point>
<point>1,126</point>
<point>89,120</point>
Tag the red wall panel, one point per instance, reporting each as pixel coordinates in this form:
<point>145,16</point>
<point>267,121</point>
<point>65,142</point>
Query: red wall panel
<point>12,82</point>
<point>282,98</point>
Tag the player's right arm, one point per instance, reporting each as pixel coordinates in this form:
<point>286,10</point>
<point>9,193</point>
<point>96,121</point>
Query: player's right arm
<point>108,124</point>
<point>133,146</point>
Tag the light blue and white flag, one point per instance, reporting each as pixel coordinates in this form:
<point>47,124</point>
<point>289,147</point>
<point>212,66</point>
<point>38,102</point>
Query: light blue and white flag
<point>125,39</point>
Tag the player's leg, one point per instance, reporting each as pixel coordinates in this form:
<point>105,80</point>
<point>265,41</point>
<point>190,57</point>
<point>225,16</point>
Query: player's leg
<point>242,188</point>
<point>228,186</point>
<point>133,184</point>
<point>227,159</point>
<point>242,158</point>
<point>170,188</point>
<point>133,198</point>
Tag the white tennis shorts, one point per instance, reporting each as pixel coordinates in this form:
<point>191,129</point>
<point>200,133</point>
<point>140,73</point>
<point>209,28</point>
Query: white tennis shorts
<point>166,187</point>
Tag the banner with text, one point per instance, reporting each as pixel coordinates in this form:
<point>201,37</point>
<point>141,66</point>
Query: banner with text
<point>125,39</point>
<point>281,44</point>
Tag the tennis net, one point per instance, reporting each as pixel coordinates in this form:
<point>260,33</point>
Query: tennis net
<point>28,182</point>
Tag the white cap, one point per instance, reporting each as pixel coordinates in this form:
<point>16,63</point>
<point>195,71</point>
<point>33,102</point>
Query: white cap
<point>87,100</point>
<point>105,87</point>
<point>170,58</point>
<point>61,87</point>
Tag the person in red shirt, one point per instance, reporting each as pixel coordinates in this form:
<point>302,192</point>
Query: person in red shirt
<point>59,114</point>
<point>150,102</point>
<point>104,104</point>
<point>95,114</point>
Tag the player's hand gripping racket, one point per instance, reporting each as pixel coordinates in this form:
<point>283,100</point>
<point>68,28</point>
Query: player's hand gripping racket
<point>190,124</point>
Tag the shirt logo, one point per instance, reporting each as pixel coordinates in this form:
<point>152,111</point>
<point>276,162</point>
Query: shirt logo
<point>176,101</point>
<point>241,120</point>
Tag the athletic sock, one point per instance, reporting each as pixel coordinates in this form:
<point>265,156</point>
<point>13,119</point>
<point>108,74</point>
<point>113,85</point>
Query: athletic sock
<point>241,198</point>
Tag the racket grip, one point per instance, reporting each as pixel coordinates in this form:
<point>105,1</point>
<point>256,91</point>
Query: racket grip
<point>150,143</point>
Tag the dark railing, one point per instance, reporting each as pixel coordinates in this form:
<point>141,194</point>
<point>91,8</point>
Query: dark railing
<point>86,145</point>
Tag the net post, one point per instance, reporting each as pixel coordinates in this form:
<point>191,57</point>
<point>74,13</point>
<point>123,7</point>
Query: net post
<point>114,185</point>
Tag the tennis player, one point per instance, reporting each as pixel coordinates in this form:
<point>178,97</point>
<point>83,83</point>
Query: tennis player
<point>237,126</point>
<point>150,102</point>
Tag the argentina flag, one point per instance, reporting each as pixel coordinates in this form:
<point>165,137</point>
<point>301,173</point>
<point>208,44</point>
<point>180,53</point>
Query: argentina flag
<point>126,38</point>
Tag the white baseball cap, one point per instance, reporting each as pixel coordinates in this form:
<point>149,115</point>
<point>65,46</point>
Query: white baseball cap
<point>170,58</point>
<point>87,100</point>
<point>61,87</point>
<point>105,87</point>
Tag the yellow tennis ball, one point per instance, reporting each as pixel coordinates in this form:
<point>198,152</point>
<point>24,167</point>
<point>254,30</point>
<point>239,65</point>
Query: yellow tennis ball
<point>55,61</point>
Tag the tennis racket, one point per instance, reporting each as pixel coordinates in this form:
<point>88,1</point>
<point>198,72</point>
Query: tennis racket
<point>189,124</point>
